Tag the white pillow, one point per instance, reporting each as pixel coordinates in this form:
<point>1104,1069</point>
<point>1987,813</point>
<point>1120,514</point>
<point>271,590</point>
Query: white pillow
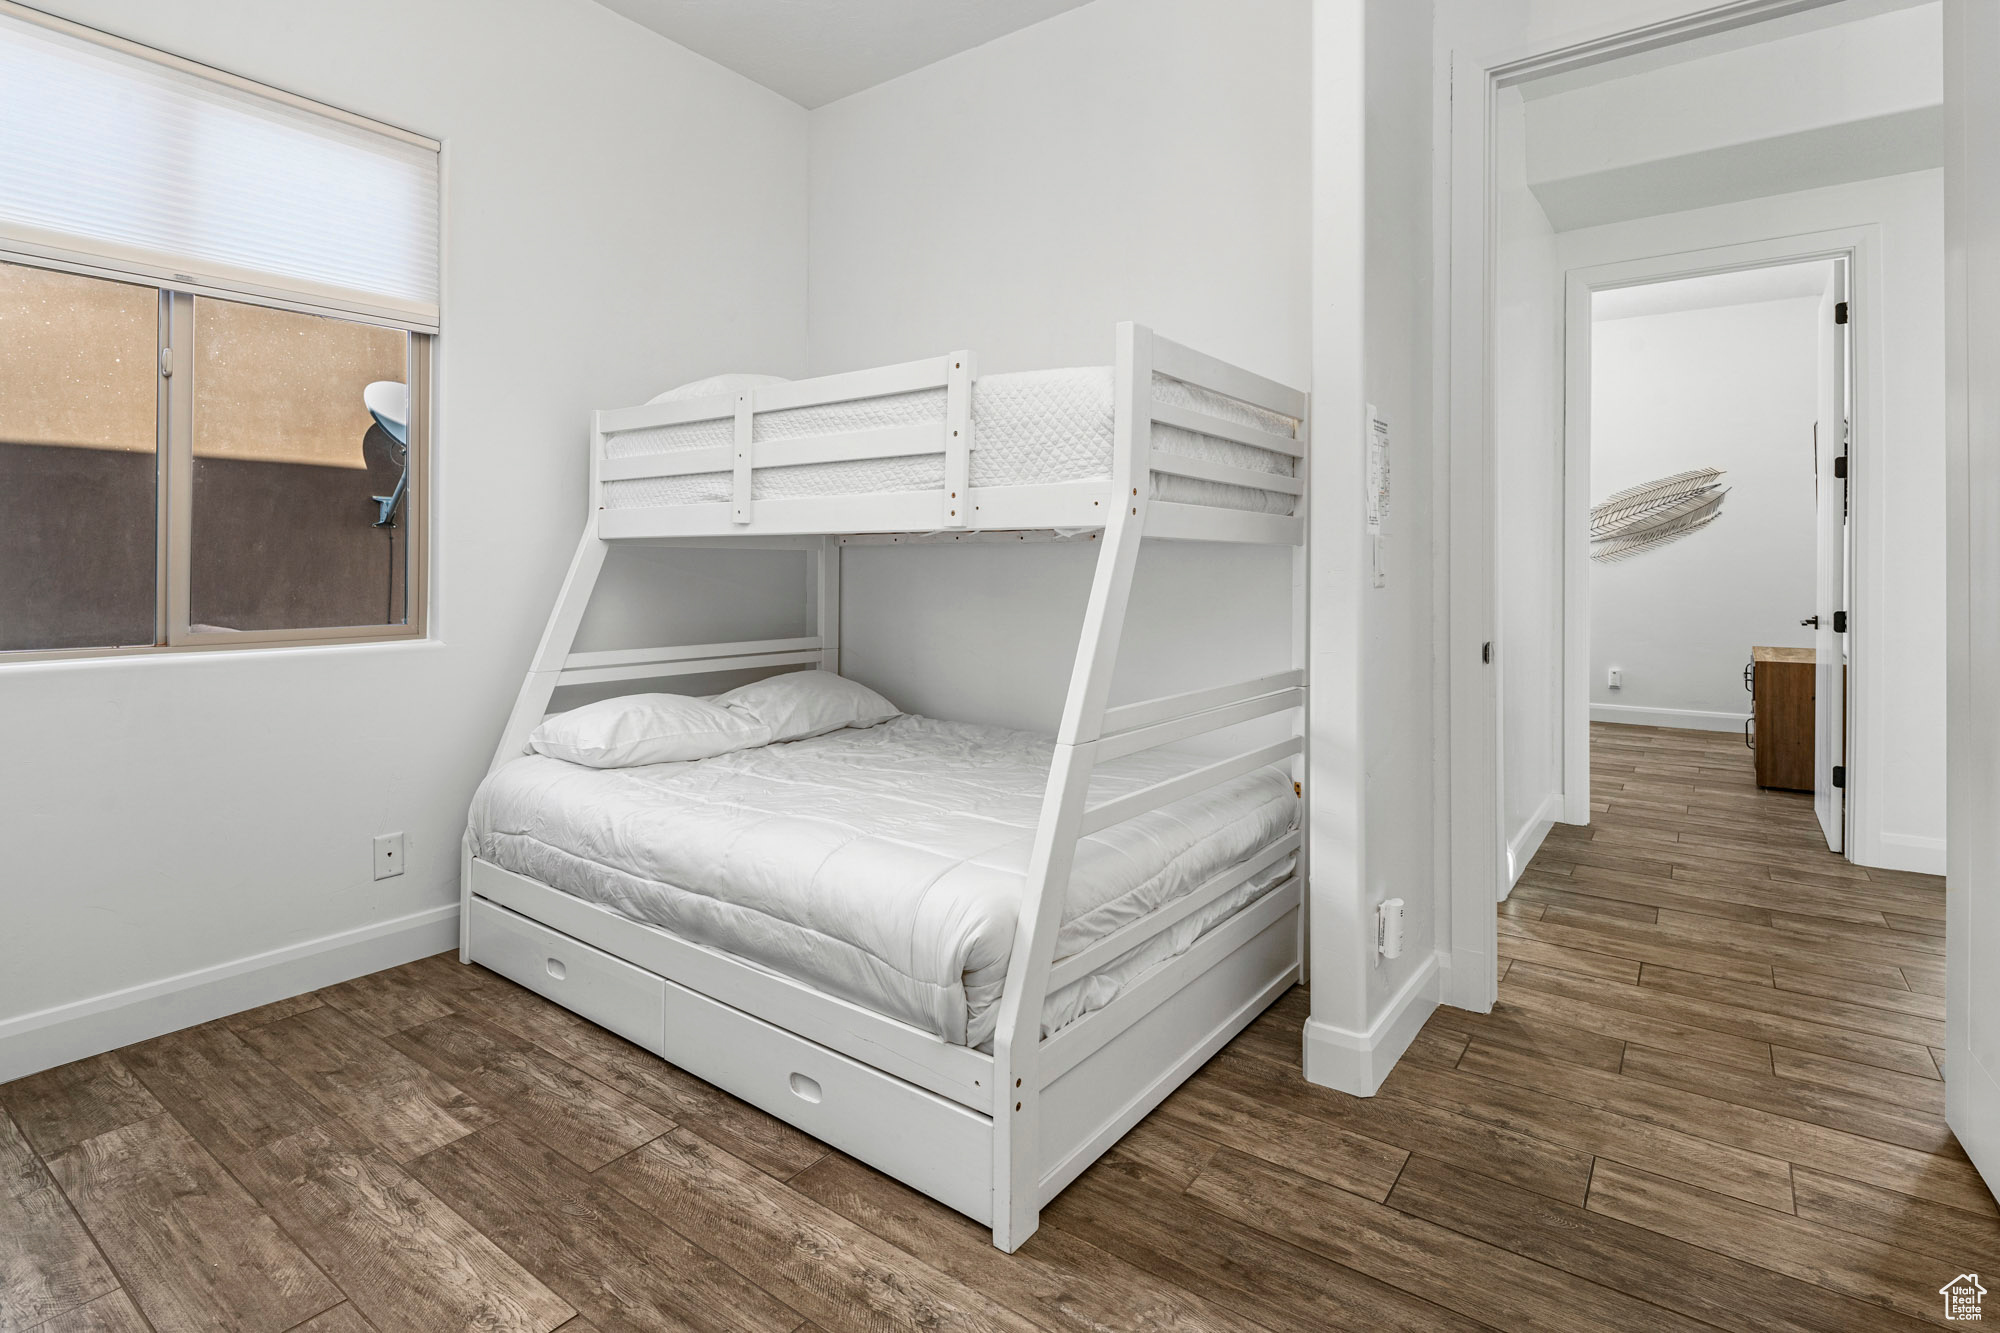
<point>646,729</point>
<point>799,704</point>
<point>716,384</point>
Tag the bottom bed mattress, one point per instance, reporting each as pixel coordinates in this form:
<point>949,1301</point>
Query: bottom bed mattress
<point>884,865</point>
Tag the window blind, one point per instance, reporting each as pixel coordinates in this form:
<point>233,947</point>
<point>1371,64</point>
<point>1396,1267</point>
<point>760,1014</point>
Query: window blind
<point>118,157</point>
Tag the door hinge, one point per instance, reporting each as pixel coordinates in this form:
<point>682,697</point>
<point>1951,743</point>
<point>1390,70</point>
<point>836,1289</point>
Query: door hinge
<point>1840,467</point>
<point>1840,312</point>
<point>1486,652</point>
<point>1840,622</point>
<point>1840,775</point>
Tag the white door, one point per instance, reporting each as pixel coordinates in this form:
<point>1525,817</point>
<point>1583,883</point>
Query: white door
<point>1972,556</point>
<point>1830,557</point>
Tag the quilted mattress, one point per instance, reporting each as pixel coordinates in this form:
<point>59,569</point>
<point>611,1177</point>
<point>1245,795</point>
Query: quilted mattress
<point>883,865</point>
<point>1029,428</point>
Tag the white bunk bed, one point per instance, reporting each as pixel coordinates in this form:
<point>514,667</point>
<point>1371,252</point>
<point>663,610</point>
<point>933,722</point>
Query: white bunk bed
<point>890,454</point>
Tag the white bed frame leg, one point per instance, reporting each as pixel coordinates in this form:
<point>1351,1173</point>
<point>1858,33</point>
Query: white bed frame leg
<point>465,896</point>
<point>1017,1155</point>
<point>826,602</point>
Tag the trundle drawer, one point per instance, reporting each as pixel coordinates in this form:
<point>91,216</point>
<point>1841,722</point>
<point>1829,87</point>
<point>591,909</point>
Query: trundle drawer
<point>925,1141</point>
<point>608,991</point>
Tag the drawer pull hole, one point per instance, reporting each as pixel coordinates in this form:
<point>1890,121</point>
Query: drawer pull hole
<point>556,969</point>
<point>805,1087</point>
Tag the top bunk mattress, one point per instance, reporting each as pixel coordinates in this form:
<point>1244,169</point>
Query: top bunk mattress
<point>883,865</point>
<point>1028,428</point>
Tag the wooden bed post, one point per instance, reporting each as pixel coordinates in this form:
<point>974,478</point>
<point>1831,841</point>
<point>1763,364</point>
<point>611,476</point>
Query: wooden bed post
<point>1017,1157</point>
<point>1302,662</point>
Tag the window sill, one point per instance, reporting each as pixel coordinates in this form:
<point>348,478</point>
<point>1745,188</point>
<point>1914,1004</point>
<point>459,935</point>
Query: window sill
<point>218,652</point>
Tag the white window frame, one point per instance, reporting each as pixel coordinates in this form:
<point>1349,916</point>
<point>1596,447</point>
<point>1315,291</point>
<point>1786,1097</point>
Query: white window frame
<point>174,453</point>
<point>174,492</point>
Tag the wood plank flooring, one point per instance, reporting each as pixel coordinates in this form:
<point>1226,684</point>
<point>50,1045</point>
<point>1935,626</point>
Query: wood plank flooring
<point>1709,1098</point>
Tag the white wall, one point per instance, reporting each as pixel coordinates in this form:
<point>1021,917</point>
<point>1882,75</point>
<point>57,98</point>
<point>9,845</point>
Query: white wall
<point>1845,102</point>
<point>1131,159</point>
<point>1527,449</point>
<point>1398,695</point>
<point>1734,387</point>
<point>987,633</point>
<point>170,819</point>
<point>1375,699</point>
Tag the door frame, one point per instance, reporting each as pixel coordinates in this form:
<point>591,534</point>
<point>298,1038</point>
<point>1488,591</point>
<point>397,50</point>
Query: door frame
<point>1972,450</point>
<point>1467,746</point>
<point>1859,247</point>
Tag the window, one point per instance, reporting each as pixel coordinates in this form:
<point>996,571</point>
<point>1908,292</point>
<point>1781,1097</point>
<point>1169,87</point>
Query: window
<point>217,306</point>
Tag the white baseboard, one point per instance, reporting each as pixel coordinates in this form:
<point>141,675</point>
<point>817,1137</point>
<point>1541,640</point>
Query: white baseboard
<point>1687,719</point>
<point>66,1032</point>
<point>1358,1062</point>
<point>1521,848</point>
<point>1908,851</point>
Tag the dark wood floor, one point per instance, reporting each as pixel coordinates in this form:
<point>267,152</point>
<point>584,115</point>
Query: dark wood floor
<point>1708,1098</point>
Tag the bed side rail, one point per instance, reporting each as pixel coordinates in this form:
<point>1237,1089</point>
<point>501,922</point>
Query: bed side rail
<point>557,662</point>
<point>744,455</point>
<point>1099,817</point>
<point>1119,942</point>
<point>1131,728</point>
<point>1180,362</point>
<point>688,660</point>
<point>1178,717</point>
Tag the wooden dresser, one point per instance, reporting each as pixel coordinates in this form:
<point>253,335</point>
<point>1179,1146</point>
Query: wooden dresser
<point>1783,688</point>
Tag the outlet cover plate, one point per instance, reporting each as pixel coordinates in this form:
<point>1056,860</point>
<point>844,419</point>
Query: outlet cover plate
<point>388,855</point>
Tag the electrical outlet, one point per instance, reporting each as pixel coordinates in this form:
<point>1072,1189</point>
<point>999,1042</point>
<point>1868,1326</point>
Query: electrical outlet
<point>1615,678</point>
<point>388,855</point>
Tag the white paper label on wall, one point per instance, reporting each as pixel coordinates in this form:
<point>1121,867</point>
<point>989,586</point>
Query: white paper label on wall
<point>1378,492</point>
<point>1378,471</point>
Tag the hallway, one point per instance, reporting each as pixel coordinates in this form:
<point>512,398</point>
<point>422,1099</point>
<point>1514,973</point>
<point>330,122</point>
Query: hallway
<point>1740,1028</point>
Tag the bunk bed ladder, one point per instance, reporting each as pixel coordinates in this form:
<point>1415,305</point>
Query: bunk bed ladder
<point>544,671</point>
<point>556,663</point>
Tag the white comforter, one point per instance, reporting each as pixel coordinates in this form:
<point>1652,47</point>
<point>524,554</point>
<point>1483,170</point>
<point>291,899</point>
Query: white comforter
<point>883,865</point>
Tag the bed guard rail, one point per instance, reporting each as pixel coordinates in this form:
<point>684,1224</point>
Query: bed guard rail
<point>1210,522</point>
<point>1131,728</point>
<point>692,660</point>
<point>745,454</point>
<point>1104,952</point>
<point>1231,705</point>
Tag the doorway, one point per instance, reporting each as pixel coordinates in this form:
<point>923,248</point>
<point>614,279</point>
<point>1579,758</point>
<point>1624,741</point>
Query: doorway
<point>1708,513</point>
<point>1945,340</point>
<point>1598,225</point>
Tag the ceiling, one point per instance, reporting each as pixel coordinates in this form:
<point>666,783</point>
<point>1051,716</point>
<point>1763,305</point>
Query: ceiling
<point>818,51</point>
<point>1740,287</point>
